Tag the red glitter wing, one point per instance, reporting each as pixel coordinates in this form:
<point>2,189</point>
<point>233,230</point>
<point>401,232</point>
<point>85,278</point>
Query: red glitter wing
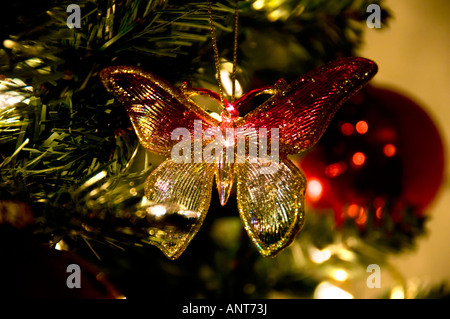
<point>302,110</point>
<point>156,108</point>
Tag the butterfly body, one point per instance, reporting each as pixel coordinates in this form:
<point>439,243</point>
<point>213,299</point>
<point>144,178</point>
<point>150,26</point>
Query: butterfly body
<point>270,189</point>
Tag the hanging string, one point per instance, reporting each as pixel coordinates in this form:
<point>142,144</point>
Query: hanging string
<point>216,53</point>
<point>235,44</point>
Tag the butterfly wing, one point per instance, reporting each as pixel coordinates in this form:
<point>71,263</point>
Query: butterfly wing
<point>181,194</point>
<point>155,107</point>
<point>303,110</point>
<point>270,203</point>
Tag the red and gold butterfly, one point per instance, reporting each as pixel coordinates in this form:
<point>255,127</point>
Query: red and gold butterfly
<point>271,202</point>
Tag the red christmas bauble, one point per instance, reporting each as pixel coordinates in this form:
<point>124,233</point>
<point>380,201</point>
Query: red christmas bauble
<point>382,154</point>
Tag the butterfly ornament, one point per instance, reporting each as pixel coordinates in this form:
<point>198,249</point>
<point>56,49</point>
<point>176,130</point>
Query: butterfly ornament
<point>201,149</point>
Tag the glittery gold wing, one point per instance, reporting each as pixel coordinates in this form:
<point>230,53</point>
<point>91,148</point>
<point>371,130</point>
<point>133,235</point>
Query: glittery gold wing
<point>155,107</point>
<point>181,194</point>
<point>270,203</point>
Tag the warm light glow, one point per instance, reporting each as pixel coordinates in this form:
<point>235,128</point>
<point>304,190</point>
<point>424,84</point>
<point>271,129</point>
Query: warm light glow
<point>157,210</point>
<point>9,96</point>
<point>353,210</point>
<point>258,4</point>
<point>61,245</point>
<point>277,14</point>
<point>227,83</point>
<point>319,256</point>
<point>144,201</point>
<point>379,212</point>
<point>389,150</point>
<point>346,254</point>
<point>358,213</point>
<point>340,275</point>
<point>94,179</point>
<point>397,293</point>
<point>358,158</point>
<point>9,44</point>
<point>361,220</point>
<point>326,290</point>
<point>362,127</point>
<point>314,189</point>
<point>347,129</point>
<point>215,115</point>
<point>335,169</point>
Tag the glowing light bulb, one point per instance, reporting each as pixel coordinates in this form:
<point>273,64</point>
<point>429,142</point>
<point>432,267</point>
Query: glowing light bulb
<point>157,210</point>
<point>225,77</point>
<point>319,256</point>
<point>347,129</point>
<point>353,210</point>
<point>335,169</point>
<point>326,290</point>
<point>361,220</point>
<point>314,189</point>
<point>389,150</point>
<point>358,158</point>
<point>362,127</point>
<point>340,275</point>
<point>379,212</point>
<point>397,293</point>
<point>62,245</point>
<point>258,4</point>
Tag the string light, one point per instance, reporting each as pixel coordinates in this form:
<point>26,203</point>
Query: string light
<point>362,127</point>
<point>62,245</point>
<point>347,129</point>
<point>353,210</point>
<point>358,158</point>
<point>335,169</point>
<point>379,212</point>
<point>225,77</point>
<point>340,275</point>
<point>319,256</point>
<point>389,150</point>
<point>314,189</point>
<point>326,290</point>
<point>397,293</point>
<point>157,210</point>
<point>258,4</point>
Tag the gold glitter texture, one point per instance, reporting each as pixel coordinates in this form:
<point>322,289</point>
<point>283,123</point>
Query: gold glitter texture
<point>270,202</point>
